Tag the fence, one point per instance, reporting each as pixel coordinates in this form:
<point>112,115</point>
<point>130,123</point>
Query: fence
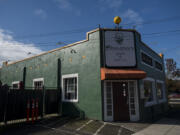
<point>13,103</point>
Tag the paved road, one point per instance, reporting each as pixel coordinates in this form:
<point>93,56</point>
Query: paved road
<point>66,126</point>
<point>169,125</point>
<point>164,126</point>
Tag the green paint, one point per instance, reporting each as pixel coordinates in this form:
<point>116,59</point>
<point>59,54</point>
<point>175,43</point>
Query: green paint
<point>85,58</point>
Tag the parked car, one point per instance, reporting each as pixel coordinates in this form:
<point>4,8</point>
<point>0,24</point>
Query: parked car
<point>174,95</point>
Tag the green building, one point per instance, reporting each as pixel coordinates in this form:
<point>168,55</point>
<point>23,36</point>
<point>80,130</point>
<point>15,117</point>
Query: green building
<point>110,76</point>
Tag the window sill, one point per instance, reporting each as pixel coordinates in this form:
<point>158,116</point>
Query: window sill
<point>71,101</point>
<point>161,101</point>
<point>146,64</point>
<point>147,104</point>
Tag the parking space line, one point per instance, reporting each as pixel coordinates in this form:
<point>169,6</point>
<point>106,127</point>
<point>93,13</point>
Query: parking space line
<point>55,129</point>
<point>122,126</point>
<point>84,125</point>
<point>99,129</point>
<point>119,131</point>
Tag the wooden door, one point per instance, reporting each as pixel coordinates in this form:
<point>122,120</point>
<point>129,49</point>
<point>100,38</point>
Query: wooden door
<point>120,101</point>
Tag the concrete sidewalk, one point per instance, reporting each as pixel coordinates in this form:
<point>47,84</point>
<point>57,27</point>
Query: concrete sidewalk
<point>162,127</point>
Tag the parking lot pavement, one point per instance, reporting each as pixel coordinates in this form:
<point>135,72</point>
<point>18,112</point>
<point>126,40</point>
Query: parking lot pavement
<point>133,126</point>
<point>164,126</point>
<point>66,126</point>
<point>90,127</point>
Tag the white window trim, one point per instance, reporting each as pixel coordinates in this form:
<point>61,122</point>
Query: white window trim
<point>163,90</point>
<point>36,80</point>
<point>16,82</point>
<point>153,90</point>
<point>132,117</point>
<point>69,76</point>
<point>106,117</point>
<point>144,62</point>
<point>136,116</point>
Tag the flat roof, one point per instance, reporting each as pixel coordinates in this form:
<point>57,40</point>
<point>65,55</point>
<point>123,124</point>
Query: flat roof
<point>81,41</point>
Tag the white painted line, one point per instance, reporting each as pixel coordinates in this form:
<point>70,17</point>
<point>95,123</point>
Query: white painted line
<point>65,131</point>
<point>99,129</point>
<point>120,126</point>
<point>84,125</point>
<point>119,131</point>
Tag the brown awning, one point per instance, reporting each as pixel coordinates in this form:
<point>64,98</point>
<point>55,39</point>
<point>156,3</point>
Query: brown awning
<point>122,74</point>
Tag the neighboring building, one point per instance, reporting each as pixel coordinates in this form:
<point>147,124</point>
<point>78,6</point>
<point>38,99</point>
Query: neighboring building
<point>110,76</point>
<point>172,72</point>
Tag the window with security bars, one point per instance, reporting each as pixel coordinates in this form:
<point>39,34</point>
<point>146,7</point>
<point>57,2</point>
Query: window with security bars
<point>108,101</point>
<point>159,87</point>
<point>148,90</point>
<point>146,59</point>
<point>15,86</point>
<point>38,85</point>
<point>70,89</point>
<point>132,98</point>
<point>158,66</point>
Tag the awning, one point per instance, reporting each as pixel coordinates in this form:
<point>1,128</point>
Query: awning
<point>122,74</point>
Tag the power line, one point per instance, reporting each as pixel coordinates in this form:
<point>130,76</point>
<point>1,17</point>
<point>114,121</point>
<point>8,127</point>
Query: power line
<point>155,21</point>
<point>56,33</point>
<point>167,34</point>
<point>172,49</point>
<point>157,33</point>
<point>74,31</point>
<point>146,35</point>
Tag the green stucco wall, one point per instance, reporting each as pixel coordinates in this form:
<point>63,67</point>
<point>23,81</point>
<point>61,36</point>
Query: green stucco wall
<point>83,58</point>
<point>0,73</point>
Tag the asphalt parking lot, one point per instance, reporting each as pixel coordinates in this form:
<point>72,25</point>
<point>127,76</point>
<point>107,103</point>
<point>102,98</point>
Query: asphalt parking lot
<point>66,126</point>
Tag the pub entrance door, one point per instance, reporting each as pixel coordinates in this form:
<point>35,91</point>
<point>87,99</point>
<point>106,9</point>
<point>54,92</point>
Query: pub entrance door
<point>120,101</point>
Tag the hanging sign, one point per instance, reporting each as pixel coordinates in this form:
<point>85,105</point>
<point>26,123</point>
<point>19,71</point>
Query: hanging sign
<point>120,49</point>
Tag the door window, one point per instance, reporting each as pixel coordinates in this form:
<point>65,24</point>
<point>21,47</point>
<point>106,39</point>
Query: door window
<point>108,101</point>
<point>132,98</point>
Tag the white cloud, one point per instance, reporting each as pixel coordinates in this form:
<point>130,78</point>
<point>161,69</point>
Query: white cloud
<point>111,4</point>
<point>11,50</point>
<point>66,5</point>
<point>78,13</point>
<point>132,17</point>
<point>41,13</point>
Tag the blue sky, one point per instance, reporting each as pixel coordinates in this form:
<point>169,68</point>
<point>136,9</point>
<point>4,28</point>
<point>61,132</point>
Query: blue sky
<point>29,27</point>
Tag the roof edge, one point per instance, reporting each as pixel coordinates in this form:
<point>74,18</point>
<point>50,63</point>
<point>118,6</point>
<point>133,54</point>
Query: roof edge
<point>81,41</point>
<point>66,46</point>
